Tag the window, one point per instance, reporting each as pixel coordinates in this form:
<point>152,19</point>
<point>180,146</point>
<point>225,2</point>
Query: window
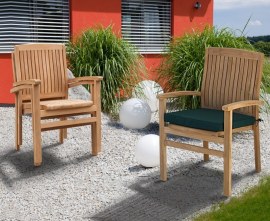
<point>147,24</point>
<point>27,21</point>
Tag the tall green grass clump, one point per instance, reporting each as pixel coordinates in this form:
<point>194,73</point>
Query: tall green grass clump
<point>100,52</point>
<point>182,67</point>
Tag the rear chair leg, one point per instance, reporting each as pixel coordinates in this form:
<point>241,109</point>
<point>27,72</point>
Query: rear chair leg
<point>206,146</point>
<point>62,132</point>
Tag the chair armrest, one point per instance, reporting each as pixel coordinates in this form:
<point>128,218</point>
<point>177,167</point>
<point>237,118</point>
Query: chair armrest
<point>95,81</point>
<point>240,104</point>
<point>178,94</point>
<point>20,85</point>
<point>83,80</point>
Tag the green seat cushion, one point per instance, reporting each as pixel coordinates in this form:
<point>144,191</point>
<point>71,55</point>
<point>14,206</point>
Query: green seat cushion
<point>206,119</point>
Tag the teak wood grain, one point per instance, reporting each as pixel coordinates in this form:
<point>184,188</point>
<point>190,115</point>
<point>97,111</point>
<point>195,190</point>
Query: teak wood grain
<point>41,89</point>
<point>231,82</point>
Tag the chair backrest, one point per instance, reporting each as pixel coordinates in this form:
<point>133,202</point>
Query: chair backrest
<point>46,62</point>
<point>231,75</point>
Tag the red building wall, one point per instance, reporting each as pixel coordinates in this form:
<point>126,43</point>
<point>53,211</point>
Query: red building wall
<point>88,13</point>
<point>185,17</point>
<point>6,79</point>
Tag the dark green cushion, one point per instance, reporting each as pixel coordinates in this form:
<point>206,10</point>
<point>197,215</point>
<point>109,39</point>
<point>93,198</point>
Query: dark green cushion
<point>206,119</point>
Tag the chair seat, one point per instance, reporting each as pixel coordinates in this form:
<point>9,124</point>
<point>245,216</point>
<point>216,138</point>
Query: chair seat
<point>206,119</point>
<point>61,104</point>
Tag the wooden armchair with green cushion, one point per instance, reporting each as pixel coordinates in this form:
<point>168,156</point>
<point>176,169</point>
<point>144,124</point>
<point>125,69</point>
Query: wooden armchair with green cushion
<point>230,103</point>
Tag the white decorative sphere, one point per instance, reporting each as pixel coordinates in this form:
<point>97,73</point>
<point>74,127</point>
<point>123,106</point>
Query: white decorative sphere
<point>147,150</point>
<point>135,114</point>
<point>148,90</point>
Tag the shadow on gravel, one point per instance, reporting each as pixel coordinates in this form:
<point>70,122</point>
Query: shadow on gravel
<point>15,166</point>
<point>152,128</point>
<point>191,188</point>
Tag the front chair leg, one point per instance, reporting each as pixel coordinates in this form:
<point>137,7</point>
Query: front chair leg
<point>37,143</point>
<point>227,153</point>
<point>163,159</point>
<point>257,151</point>
<point>163,152</point>
<point>96,138</point>
<point>96,126</point>
<point>19,132</point>
<point>36,124</point>
<point>18,123</point>
<point>162,140</point>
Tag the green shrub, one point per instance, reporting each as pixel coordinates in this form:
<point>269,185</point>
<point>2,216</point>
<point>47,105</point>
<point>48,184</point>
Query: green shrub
<point>266,76</point>
<point>263,47</point>
<point>182,67</point>
<point>99,52</point>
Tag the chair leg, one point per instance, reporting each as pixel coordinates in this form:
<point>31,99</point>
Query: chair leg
<point>36,124</point>
<point>65,133</point>
<point>96,138</point>
<point>163,158</point>
<point>256,131</point>
<point>37,146</point>
<point>19,132</point>
<point>62,132</point>
<point>18,123</point>
<point>37,140</point>
<point>162,139</point>
<point>206,146</point>
<point>227,153</point>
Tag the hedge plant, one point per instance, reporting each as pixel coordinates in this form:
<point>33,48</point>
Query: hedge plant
<point>182,66</point>
<point>99,51</point>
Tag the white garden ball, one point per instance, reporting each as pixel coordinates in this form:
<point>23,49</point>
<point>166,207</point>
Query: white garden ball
<point>147,150</point>
<point>135,114</point>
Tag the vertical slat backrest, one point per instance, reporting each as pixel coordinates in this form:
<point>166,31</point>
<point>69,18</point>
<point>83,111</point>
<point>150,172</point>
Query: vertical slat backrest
<point>46,62</point>
<point>231,75</point>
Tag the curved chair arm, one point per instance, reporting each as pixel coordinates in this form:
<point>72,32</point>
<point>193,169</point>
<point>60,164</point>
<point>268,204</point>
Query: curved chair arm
<point>95,81</point>
<point>241,104</point>
<point>34,86</point>
<point>20,85</point>
<point>83,80</point>
<point>178,94</point>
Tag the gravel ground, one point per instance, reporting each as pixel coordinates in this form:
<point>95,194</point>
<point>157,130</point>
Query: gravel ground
<point>73,185</point>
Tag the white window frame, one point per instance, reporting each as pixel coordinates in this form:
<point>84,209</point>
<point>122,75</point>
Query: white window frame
<point>147,24</point>
<point>33,21</point>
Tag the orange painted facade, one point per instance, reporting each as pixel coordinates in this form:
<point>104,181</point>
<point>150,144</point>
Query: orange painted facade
<point>88,13</point>
<point>6,79</point>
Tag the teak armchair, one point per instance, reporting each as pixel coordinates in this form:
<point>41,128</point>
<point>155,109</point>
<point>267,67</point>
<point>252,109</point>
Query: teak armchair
<point>41,89</point>
<point>229,103</point>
